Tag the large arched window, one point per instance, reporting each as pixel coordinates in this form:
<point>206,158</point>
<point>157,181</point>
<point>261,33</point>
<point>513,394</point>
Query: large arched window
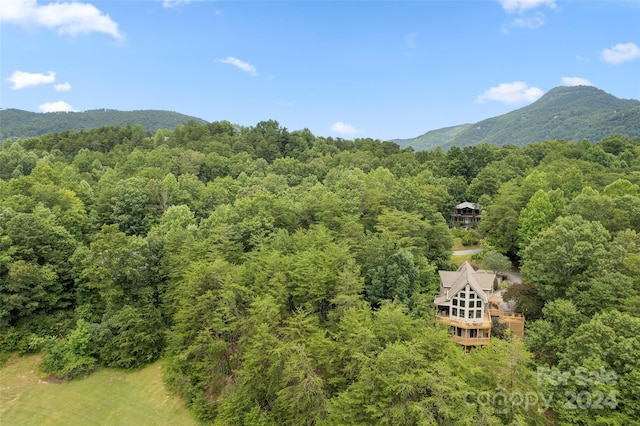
<point>467,304</point>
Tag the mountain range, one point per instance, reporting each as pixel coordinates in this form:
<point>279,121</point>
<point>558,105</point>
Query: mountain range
<point>18,124</point>
<point>570,113</point>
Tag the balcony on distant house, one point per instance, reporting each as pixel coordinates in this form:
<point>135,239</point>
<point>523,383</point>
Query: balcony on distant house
<point>466,214</point>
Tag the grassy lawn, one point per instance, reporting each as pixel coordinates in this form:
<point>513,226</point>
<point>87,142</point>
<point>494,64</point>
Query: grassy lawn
<point>459,260</point>
<point>457,245</point>
<point>108,397</point>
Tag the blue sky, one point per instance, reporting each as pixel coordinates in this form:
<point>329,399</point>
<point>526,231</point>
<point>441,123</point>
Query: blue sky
<point>340,68</point>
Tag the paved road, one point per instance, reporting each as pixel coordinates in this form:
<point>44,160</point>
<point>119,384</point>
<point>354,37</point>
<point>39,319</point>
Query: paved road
<point>463,252</point>
<point>513,277</point>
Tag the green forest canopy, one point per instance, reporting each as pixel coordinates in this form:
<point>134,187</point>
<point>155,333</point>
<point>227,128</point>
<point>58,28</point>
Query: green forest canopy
<point>264,264</point>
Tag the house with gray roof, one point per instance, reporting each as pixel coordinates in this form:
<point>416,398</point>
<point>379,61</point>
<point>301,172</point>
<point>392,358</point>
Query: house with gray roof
<point>466,214</point>
<point>467,303</point>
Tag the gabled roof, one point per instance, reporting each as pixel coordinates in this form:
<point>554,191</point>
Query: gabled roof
<point>453,282</point>
<point>468,205</point>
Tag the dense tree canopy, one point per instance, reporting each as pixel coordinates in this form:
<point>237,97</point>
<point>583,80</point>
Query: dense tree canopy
<point>288,278</point>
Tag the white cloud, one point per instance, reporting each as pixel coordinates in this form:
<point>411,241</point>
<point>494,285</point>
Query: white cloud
<point>62,87</point>
<point>21,79</point>
<point>175,3</point>
<point>343,129</point>
<point>576,81</point>
<point>60,106</point>
<point>532,23</point>
<point>621,52</point>
<point>244,66</point>
<point>520,6</point>
<point>511,93</point>
<point>68,18</point>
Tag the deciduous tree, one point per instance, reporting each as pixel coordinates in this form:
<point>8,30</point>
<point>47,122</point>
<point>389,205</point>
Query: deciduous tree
<point>561,253</point>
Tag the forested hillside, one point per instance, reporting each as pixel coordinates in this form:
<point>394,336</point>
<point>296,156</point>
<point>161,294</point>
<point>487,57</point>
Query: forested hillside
<point>289,278</point>
<point>19,124</point>
<point>569,113</point>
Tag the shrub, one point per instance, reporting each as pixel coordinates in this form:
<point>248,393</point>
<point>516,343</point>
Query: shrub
<point>31,343</point>
<point>70,358</point>
<point>467,238</point>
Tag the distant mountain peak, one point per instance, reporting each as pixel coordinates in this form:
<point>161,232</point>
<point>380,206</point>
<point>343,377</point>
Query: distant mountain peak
<point>564,112</point>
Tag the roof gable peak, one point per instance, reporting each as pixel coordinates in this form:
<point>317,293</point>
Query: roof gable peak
<point>479,282</point>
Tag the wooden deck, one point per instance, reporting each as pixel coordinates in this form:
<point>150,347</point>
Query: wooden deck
<point>514,321</point>
<point>480,323</point>
<point>471,341</point>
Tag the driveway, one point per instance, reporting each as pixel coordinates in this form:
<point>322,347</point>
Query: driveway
<point>470,251</point>
<point>513,277</point>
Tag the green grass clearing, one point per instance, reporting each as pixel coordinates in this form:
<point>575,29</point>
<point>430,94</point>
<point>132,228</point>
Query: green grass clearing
<point>459,259</point>
<point>457,245</point>
<point>107,397</point>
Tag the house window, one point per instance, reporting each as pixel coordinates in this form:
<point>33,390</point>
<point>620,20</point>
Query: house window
<point>455,302</point>
<point>473,333</point>
<point>478,313</point>
<point>454,312</point>
<point>470,313</point>
<point>462,303</point>
<point>462,295</point>
<point>461,313</point>
<point>472,295</point>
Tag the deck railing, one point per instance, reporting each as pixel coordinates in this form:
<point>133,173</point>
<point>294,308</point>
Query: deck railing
<point>497,312</point>
<point>513,320</point>
<point>484,322</point>
<point>471,341</point>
